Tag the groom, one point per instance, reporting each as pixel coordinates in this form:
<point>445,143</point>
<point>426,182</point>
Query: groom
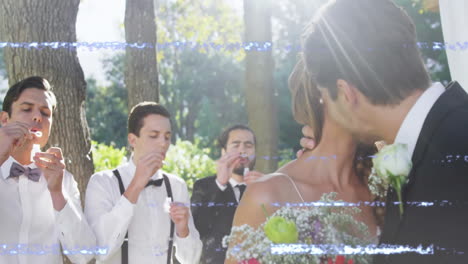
<point>365,60</point>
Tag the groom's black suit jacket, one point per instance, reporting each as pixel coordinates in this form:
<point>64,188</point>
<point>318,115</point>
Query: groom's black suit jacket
<point>440,175</point>
<point>213,211</point>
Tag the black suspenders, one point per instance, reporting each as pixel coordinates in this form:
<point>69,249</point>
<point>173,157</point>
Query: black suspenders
<point>171,234</point>
<point>125,243</point>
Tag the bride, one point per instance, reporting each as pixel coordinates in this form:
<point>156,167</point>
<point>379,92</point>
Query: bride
<point>334,165</point>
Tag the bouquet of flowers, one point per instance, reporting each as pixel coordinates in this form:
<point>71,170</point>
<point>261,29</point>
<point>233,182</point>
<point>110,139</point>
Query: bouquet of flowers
<point>304,234</point>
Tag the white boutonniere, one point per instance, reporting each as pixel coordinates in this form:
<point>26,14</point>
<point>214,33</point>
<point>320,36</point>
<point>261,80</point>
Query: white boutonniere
<point>391,168</point>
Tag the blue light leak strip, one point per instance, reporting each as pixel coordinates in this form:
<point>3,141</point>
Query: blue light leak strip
<point>453,158</point>
<point>36,249</point>
<point>329,249</point>
<point>443,203</point>
<point>247,46</point>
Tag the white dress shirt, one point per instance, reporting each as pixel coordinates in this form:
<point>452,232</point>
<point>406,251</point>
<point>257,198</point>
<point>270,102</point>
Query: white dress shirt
<point>31,230</point>
<point>233,183</point>
<point>110,215</point>
<point>412,124</point>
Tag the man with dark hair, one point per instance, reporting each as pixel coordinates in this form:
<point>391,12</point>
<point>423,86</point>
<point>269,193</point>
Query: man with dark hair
<point>215,198</point>
<point>137,210</point>
<point>364,58</point>
<point>40,205</point>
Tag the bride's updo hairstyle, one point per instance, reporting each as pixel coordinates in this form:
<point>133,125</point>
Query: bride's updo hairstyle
<point>307,110</point>
<point>306,107</point>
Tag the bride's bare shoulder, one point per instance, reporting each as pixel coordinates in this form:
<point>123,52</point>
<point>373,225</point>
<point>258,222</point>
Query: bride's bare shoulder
<point>279,177</point>
<point>269,182</point>
<point>270,179</point>
<point>272,186</point>
<point>265,186</point>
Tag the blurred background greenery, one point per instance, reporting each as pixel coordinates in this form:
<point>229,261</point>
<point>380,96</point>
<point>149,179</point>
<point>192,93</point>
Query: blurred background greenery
<point>203,87</point>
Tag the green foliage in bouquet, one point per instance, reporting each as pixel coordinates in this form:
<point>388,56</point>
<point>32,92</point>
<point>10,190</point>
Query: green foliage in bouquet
<point>189,162</point>
<point>323,227</point>
<point>107,157</point>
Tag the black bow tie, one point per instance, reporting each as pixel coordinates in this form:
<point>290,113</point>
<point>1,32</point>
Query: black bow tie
<point>156,183</point>
<point>241,189</point>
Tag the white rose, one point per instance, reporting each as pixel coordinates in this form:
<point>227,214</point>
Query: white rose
<point>393,160</point>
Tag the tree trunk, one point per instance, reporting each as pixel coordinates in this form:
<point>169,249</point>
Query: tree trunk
<point>52,21</point>
<point>141,72</point>
<point>260,99</point>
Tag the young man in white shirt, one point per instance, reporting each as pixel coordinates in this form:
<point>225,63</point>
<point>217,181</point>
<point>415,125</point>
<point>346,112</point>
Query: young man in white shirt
<point>137,207</point>
<point>40,205</point>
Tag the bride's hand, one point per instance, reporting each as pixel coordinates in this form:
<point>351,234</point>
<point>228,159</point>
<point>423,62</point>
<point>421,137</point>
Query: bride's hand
<point>307,141</point>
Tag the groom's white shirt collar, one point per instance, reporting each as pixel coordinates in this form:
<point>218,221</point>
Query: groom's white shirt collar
<point>412,124</point>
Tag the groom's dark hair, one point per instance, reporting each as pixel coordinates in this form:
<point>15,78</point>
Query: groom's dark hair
<point>368,43</point>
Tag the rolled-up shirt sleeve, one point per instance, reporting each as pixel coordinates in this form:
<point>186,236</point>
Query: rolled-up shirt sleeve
<point>188,248</point>
<point>108,219</point>
<point>74,233</point>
